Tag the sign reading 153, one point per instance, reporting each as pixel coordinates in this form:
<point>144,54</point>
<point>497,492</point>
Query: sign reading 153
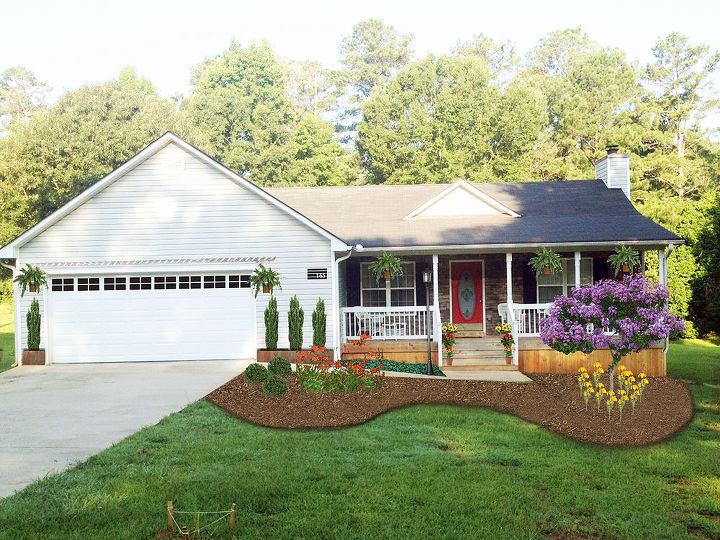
<point>317,273</point>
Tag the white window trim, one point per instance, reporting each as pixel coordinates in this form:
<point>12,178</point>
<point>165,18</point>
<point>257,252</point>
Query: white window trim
<point>387,288</point>
<point>565,285</point>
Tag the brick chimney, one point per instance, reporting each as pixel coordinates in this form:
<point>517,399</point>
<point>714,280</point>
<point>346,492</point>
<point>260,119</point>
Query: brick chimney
<point>614,170</point>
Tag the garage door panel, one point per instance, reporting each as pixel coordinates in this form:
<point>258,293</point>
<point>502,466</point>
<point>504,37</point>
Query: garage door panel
<point>151,325</point>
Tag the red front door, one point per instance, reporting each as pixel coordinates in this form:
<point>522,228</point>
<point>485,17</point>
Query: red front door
<point>467,292</point>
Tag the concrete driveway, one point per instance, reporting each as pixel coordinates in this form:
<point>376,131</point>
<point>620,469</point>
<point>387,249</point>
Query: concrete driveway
<point>52,417</point>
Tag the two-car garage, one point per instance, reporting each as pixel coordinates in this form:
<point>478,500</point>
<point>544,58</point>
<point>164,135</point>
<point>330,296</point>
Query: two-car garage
<point>150,317</point>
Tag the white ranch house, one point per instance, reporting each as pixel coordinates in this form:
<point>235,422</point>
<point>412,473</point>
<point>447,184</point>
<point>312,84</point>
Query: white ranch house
<point>152,262</point>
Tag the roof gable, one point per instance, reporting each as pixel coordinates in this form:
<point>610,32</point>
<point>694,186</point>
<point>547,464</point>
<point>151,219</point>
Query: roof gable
<point>173,163</point>
<point>461,199</point>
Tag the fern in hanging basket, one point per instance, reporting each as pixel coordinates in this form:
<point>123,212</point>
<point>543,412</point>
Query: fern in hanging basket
<point>546,261</point>
<point>625,258</point>
<point>30,279</point>
<point>266,279</point>
<point>386,266</point>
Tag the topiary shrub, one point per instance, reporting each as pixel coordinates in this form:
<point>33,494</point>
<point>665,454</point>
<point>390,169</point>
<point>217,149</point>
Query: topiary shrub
<point>271,324</point>
<point>33,326</point>
<point>279,366</point>
<point>255,374</point>
<point>274,386</point>
<point>319,322</point>
<point>296,318</point>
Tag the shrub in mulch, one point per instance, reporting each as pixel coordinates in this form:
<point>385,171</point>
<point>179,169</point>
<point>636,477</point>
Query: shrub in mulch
<point>255,374</point>
<point>551,401</point>
<point>274,386</point>
<point>280,366</point>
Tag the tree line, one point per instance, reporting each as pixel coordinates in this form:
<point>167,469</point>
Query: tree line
<point>483,112</point>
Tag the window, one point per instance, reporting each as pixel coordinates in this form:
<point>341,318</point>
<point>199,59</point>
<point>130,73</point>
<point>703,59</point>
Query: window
<point>114,283</point>
<point>62,284</point>
<point>214,282</point>
<point>165,282</point>
<point>399,292</point>
<point>88,284</point>
<point>551,286</point>
<point>238,282</point>
<point>189,282</point>
<point>140,283</point>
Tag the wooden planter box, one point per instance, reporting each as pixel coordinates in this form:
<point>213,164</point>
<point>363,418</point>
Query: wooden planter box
<point>33,358</point>
<point>265,355</point>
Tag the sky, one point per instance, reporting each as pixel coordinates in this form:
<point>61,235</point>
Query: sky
<point>68,43</point>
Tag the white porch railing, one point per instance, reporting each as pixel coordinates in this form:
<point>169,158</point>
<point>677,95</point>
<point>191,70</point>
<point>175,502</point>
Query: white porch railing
<point>526,317</point>
<point>408,322</point>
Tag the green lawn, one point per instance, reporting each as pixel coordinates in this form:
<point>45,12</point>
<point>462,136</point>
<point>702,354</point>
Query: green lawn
<point>419,472</point>
<point>7,336</point>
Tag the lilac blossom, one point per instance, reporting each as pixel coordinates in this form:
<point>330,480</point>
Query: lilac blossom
<point>624,316</point>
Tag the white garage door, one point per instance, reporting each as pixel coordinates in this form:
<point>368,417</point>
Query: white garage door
<point>143,318</point>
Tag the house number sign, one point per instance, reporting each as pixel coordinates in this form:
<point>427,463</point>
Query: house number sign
<point>317,273</point>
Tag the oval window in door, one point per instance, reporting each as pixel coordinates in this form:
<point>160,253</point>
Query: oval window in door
<point>466,295</point>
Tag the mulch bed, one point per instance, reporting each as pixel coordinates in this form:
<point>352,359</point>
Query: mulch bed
<point>551,401</point>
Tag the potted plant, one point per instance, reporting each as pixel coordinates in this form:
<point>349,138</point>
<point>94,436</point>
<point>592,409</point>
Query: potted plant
<point>33,355</point>
<point>266,279</point>
<point>546,261</point>
<point>448,340</point>
<point>507,340</point>
<point>30,279</point>
<point>625,259</point>
<point>386,266</point>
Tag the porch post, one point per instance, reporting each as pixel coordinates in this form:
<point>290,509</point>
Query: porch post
<point>511,310</point>
<point>662,268</point>
<point>436,308</point>
<point>577,269</point>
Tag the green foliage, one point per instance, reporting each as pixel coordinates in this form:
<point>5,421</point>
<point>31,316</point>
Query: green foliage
<point>272,318</point>
<point>624,255</point>
<point>265,278</point>
<point>545,258</point>
<point>255,374</point>
<point>240,100</point>
<point>385,263</point>
<point>280,366</point>
<point>29,277</point>
<point>275,386</point>
<point>705,304</point>
<point>58,153</point>
<point>440,119</point>
<point>33,326</point>
<point>319,323</point>
<point>6,290</point>
<point>21,94</point>
<point>296,318</point>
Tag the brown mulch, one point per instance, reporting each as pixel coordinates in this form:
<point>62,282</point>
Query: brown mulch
<point>551,401</point>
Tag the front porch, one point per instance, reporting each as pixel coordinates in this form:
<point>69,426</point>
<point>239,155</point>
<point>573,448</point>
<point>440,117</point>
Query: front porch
<point>476,291</point>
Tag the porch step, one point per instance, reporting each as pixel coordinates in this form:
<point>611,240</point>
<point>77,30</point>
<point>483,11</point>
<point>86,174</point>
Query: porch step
<point>480,367</point>
<point>478,359</point>
<point>470,334</point>
<point>478,353</point>
<point>473,343</point>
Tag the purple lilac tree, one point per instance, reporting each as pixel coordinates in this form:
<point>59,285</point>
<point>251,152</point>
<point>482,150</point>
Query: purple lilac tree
<point>632,311</point>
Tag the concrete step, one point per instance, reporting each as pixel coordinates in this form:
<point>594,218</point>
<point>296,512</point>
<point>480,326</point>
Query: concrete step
<point>478,360</point>
<point>478,367</point>
<point>478,344</point>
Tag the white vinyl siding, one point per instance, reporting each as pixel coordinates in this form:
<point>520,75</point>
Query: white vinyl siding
<point>160,210</point>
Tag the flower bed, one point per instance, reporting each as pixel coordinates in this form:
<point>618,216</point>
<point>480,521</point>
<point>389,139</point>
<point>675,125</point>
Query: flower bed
<point>551,401</point>
<point>400,367</point>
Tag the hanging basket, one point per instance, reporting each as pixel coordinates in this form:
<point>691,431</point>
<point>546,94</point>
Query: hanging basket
<point>547,271</point>
<point>626,268</point>
<point>266,289</point>
<point>32,288</point>
<point>387,275</point>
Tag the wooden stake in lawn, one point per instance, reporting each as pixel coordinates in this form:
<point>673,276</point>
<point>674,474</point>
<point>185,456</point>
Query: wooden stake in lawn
<point>185,533</point>
<point>232,516</point>
<point>171,526</point>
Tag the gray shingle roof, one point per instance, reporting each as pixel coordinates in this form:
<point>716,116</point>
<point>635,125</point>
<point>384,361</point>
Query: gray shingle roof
<point>551,212</point>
